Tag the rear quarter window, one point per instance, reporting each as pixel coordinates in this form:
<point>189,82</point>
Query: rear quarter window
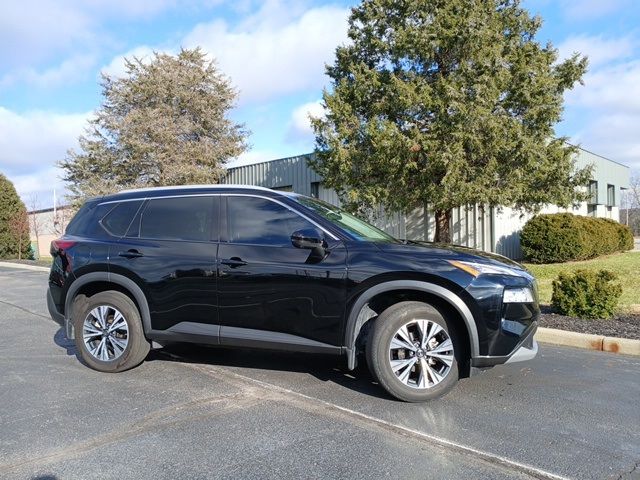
<point>86,223</point>
<point>118,220</point>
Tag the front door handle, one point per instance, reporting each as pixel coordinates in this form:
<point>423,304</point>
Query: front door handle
<point>132,253</point>
<point>234,262</point>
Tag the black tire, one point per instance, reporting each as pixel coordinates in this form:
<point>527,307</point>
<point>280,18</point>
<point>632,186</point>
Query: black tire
<point>379,357</point>
<point>137,346</point>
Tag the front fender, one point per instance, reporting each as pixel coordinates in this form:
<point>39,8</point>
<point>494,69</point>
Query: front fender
<point>359,315</point>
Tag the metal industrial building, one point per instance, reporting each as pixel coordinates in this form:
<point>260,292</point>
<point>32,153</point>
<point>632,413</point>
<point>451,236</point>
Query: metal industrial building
<point>489,229</point>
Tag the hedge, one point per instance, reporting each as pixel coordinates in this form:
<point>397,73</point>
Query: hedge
<point>563,237</point>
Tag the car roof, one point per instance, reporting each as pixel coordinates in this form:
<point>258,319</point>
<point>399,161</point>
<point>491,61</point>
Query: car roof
<point>140,193</point>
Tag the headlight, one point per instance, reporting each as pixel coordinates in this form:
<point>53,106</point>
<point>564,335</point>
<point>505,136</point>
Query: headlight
<point>477,269</point>
<point>517,295</point>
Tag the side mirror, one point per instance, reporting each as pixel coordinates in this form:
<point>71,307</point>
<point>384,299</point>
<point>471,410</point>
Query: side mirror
<point>307,238</point>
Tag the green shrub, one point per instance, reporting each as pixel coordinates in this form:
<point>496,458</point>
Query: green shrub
<point>586,294</point>
<point>625,237</point>
<point>551,238</point>
<point>562,237</point>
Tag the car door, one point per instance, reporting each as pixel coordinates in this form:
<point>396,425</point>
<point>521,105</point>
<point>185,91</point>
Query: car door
<point>269,290</point>
<point>170,251</point>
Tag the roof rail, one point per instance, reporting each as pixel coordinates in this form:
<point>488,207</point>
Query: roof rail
<point>194,187</point>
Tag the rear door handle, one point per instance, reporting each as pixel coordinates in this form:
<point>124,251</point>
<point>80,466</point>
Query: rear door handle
<point>133,253</point>
<point>234,262</point>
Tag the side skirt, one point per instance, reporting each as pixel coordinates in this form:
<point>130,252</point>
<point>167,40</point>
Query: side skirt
<point>192,332</point>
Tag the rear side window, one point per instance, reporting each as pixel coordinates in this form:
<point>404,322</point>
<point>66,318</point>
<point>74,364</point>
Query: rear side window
<point>87,221</point>
<point>117,221</point>
<point>259,221</point>
<point>182,218</point>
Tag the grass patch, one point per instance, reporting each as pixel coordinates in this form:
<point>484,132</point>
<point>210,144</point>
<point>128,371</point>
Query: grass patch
<point>626,265</point>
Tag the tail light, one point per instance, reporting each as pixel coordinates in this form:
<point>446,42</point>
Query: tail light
<point>61,245</point>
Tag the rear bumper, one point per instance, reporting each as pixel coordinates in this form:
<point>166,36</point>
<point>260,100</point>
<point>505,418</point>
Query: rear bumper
<point>59,318</point>
<point>53,310</point>
<point>526,349</point>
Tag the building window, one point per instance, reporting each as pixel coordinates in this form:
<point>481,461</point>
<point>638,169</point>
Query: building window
<point>315,189</point>
<point>593,192</point>
<point>591,210</point>
<point>611,195</point>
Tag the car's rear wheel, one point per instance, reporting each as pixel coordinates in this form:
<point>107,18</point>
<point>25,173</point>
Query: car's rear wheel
<point>411,351</point>
<point>109,334</point>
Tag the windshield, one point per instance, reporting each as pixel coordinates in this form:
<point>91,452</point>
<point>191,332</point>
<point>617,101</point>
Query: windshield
<point>359,229</point>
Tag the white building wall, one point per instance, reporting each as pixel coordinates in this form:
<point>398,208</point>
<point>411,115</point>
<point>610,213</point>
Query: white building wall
<point>45,226</point>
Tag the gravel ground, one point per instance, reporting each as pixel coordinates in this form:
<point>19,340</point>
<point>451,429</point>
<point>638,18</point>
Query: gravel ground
<point>625,326</point>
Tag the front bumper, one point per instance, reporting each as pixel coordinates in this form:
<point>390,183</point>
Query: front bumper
<point>526,349</point>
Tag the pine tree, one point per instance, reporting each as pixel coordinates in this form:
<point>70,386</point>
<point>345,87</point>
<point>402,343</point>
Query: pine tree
<point>164,123</point>
<point>447,103</point>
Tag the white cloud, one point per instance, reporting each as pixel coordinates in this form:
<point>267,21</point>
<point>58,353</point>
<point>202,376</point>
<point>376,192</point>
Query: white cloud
<point>72,70</point>
<point>272,54</point>
<point>599,49</point>
<point>31,144</point>
<point>614,89</point>
<point>31,31</point>
<point>300,127</point>
<point>35,32</point>
<point>609,101</point>
<point>614,135</point>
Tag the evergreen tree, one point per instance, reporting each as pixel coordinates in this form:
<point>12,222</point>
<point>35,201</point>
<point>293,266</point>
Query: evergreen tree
<point>164,123</point>
<point>14,224</point>
<point>447,103</point>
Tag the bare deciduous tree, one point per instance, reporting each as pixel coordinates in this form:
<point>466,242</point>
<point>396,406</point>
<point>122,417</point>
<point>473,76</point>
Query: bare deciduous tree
<point>34,220</point>
<point>19,228</point>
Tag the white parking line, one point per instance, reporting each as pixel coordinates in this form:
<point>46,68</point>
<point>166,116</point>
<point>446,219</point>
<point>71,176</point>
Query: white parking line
<point>442,442</point>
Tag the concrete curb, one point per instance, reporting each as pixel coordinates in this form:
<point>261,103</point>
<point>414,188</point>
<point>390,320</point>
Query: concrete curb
<point>23,266</point>
<point>587,341</point>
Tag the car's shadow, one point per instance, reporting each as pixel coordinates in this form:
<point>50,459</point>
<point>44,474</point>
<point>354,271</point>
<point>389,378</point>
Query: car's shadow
<point>326,368</point>
<point>61,340</point>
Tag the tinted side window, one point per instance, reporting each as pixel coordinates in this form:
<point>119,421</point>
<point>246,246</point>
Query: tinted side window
<point>117,221</point>
<point>262,222</point>
<point>183,218</point>
<point>86,221</point>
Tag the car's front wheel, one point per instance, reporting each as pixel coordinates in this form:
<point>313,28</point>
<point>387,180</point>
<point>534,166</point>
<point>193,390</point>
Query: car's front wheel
<point>411,351</point>
<point>109,334</point>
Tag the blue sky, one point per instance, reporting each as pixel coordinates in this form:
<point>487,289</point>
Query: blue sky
<point>52,53</point>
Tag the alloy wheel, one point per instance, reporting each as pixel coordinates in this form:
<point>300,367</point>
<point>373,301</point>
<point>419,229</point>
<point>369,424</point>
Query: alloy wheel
<point>105,333</point>
<point>421,354</point>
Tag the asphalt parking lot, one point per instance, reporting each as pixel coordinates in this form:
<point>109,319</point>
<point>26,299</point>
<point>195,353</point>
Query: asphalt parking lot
<point>191,412</point>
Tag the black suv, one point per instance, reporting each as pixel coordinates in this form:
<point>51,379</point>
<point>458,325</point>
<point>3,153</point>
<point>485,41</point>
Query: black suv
<point>251,267</point>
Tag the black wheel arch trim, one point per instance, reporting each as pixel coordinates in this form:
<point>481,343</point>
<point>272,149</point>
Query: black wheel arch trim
<point>356,321</point>
<point>124,282</point>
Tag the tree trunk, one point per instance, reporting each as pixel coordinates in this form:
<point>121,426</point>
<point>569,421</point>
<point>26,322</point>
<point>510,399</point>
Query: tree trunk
<point>443,226</point>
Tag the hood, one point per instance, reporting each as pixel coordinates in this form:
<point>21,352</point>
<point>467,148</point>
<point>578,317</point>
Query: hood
<point>447,251</point>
